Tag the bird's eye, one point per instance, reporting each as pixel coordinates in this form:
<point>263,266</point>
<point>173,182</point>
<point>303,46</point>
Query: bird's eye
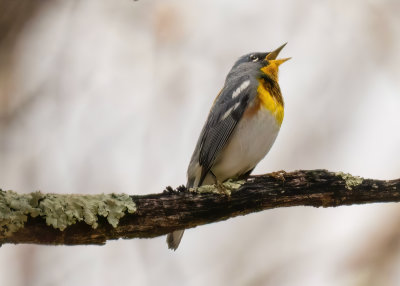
<point>253,58</point>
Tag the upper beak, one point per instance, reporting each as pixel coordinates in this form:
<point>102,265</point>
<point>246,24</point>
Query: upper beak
<point>274,54</point>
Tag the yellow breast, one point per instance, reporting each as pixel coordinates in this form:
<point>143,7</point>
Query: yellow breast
<point>270,103</point>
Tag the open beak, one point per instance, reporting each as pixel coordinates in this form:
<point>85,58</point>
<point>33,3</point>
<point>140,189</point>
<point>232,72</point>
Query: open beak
<point>274,54</point>
<point>271,57</point>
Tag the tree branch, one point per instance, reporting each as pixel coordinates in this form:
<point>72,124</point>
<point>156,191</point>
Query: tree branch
<point>94,219</point>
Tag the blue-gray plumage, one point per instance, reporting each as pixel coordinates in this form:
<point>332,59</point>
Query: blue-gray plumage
<point>218,128</point>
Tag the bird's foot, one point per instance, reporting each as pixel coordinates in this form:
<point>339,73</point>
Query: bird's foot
<point>222,189</point>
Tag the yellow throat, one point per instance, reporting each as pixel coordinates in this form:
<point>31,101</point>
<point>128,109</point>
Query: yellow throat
<point>270,94</point>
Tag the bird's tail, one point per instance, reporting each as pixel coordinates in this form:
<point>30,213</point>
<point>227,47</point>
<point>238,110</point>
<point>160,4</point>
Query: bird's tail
<point>174,238</point>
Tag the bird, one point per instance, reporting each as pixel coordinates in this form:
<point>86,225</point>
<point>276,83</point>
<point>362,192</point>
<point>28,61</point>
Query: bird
<point>241,126</point>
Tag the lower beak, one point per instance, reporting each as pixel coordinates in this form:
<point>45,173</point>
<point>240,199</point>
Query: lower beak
<point>274,54</point>
<point>280,61</point>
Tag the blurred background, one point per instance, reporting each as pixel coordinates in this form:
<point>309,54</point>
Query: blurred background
<point>110,96</point>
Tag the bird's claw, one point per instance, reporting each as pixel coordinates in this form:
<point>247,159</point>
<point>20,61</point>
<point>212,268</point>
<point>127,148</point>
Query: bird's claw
<point>222,189</point>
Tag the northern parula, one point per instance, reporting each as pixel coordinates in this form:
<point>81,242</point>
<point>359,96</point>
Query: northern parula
<point>241,127</point>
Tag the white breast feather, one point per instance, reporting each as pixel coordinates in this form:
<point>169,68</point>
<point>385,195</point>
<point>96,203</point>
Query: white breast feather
<point>252,139</point>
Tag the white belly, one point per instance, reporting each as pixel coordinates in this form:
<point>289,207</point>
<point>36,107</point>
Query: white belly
<point>252,139</point>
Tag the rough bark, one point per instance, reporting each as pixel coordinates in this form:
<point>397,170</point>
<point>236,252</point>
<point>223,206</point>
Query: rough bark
<point>159,214</point>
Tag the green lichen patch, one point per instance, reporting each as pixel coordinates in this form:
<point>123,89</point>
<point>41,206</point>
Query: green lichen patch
<point>61,211</point>
<point>234,185</point>
<point>226,188</point>
<point>350,180</point>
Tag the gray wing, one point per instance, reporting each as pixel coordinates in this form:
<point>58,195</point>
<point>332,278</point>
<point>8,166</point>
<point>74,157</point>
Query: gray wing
<point>222,120</point>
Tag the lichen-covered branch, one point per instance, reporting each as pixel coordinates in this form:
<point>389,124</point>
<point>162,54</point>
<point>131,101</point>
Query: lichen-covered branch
<point>94,219</point>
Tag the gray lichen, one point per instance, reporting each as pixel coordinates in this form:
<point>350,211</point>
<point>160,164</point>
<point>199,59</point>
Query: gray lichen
<point>61,211</point>
<point>350,180</point>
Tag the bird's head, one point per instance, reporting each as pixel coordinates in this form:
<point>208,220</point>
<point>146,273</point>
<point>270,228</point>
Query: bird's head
<point>267,63</point>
